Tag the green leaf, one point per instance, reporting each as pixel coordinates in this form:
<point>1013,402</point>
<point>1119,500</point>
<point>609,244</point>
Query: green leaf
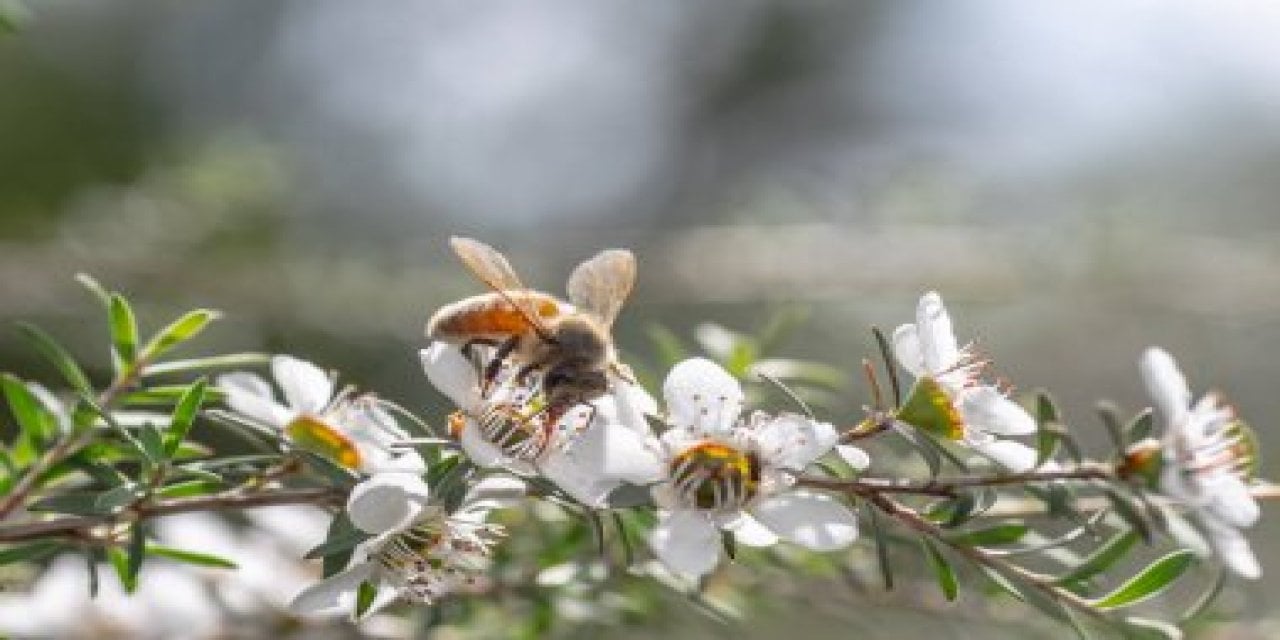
<point>1131,511</point>
<point>189,488</point>
<point>183,417</point>
<point>890,365</point>
<point>114,499</point>
<point>1141,426</point>
<point>128,561</point>
<point>364,598</point>
<point>190,557</point>
<point>1007,533</point>
<point>56,354</point>
<point>124,331</point>
<point>91,557</point>
<point>942,569</point>
<point>152,442</point>
<point>75,503</point>
<point>100,292</point>
<point>882,550</point>
<point>231,360</point>
<point>167,394</point>
<point>341,538</point>
<point>31,552</point>
<point>1204,603</point>
<point>177,332</point>
<point>1102,559</point>
<point>1003,583</point>
<point>1144,629</point>
<point>32,415</point>
<point>1150,582</point>
<point>1109,414</point>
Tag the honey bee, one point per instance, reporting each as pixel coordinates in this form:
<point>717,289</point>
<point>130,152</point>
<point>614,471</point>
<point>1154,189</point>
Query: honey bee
<point>569,344</point>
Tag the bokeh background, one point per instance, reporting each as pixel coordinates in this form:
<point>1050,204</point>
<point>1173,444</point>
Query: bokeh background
<point>1078,179</point>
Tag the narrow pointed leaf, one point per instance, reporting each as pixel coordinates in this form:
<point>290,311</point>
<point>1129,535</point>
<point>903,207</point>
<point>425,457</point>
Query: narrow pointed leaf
<point>1150,582</point>
<point>124,331</point>
<point>942,569</point>
<point>229,361</point>
<point>32,416</point>
<point>190,557</point>
<point>995,535</point>
<point>177,332</point>
<point>183,417</point>
<point>1102,559</point>
<point>58,356</point>
<point>32,552</point>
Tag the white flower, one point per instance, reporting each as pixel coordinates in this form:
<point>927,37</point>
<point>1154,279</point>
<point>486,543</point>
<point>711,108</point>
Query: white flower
<point>417,551</point>
<point>588,452</point>
<point>975,413</point>
<point>1207,457</point>
<point>354,432</point>
<point>724,472</point>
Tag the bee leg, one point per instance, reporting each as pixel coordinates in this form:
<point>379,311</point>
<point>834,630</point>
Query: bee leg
<point>494,367</point>
<point>468,348</point>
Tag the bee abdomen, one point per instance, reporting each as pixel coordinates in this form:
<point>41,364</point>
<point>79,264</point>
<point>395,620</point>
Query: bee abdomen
<point>488,315</point>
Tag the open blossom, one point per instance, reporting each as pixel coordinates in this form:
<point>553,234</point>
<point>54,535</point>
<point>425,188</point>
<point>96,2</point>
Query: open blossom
<point>418,551</point>
<point>592,449</point>
<point>1207,457</point>
<point>950,397</point>
<point>353,431</point>
<point>723,471</point>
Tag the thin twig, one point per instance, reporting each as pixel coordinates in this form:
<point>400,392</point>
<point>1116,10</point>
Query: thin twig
<point>949,486</point>
<point>913,520</point>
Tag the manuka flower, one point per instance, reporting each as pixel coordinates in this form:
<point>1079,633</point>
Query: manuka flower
<point>1207,456</point>
<point>417,552</point>
<point>727,472</point>
<point>353,431</point>
<point>950,398</point>
<point>590,450</point>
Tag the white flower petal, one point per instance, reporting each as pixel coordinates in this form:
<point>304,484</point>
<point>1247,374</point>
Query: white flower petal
<point>906,347</point>
<point>1013,456</point>
<point>813,520</point>
<point>854,456</point>
<point>306,388</point>
<point>387,502</point>
<point>251,396</point>
<point>1233,548</point>
<point>493,492</point>
<point>686,542</point>
<point>793,441</point>
<point>452,374</point>
<point>633,404</point>
<point>702,395</point>
<point>335,594</point>
<point>986,409</point>
<point>1229,500</point>
<point>1166,384</point>
<point>937,340</point>
<point>480,451</point>
<point>748,531</point>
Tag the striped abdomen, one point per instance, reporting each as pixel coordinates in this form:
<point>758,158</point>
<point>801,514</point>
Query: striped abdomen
<point>489,315</point>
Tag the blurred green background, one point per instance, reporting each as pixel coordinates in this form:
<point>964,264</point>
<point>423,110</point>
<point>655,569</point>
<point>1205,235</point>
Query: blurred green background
<point>1079,180</point>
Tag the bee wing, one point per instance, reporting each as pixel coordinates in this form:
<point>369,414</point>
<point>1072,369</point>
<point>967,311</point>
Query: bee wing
<point>492,268</point>
<point>600,285</point>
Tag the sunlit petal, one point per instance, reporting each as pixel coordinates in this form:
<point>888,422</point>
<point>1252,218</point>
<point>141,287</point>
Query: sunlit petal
<point>687,542</point>
<point>703,396</point>
<point>306,388</point>
<point>813,520</point>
